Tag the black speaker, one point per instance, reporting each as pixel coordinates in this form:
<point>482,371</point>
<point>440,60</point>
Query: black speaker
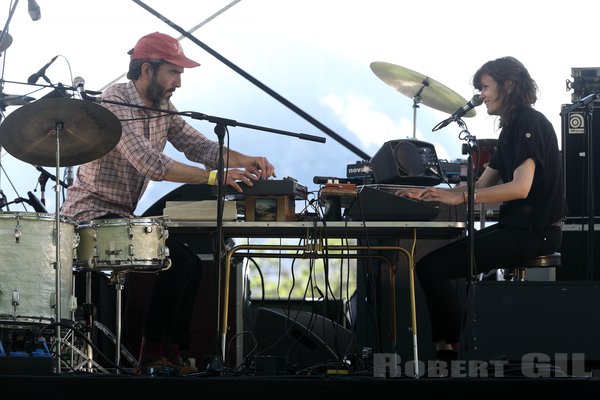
<point>304,339</point>
<point>406,162</point>
<point>575,130</point>
<point>508,320</point>
<point>575,253</point>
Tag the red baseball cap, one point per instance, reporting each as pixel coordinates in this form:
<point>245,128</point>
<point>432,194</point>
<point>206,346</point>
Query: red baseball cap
<point>160,46</point>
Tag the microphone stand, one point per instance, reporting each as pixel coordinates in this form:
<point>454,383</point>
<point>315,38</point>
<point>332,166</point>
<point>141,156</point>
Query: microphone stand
<point>221,124</point>
<point>42,181</point>
<point>468,148</point>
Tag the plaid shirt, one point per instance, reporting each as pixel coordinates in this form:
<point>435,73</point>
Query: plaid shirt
<point>115,182</point>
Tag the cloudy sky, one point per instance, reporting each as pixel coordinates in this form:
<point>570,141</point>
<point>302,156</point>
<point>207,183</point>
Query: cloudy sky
<point>315,54</point>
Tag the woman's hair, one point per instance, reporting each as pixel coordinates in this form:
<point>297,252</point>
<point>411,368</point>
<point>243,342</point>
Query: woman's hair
<point>516,87</point>
<point>135,67</point>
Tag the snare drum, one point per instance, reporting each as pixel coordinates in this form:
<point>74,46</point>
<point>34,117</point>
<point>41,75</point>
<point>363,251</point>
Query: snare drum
<point>27,267</point>
<point>122,244</point>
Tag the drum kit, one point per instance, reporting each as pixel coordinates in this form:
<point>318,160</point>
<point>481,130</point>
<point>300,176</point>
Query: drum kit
<point>38,261</point>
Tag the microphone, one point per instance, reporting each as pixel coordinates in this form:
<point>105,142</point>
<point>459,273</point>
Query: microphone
<point>35,203</point>
<point>34,10</point>
<point>471,104</point>
<point>70,177</point>
<point>41,73</point>
<point>78,82</point>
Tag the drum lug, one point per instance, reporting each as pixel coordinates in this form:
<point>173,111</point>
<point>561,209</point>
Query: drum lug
<point>130,231</point>
<point>15,297</point>
<point>76,239</point>
<point>18,232</point>
<point>131,249</point>
<point>163,251</point>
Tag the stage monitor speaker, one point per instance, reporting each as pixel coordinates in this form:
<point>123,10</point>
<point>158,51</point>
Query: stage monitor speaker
<point>304,339</point>
<point>406,162</point>
<point>575,132</point>
<point>507,320</point>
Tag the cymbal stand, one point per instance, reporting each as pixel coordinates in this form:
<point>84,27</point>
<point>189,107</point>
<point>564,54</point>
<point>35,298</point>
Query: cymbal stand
<point>59,125</point>
<point>118,279</point>
<point>417,99</point>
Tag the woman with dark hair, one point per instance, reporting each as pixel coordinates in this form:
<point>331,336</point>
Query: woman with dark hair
<point>524,176</point>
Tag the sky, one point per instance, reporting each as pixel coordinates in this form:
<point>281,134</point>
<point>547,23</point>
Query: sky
<point>315,54</point>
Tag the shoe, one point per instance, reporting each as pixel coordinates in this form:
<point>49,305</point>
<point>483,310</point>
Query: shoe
<point>166,367</point>
<point>162,367</point>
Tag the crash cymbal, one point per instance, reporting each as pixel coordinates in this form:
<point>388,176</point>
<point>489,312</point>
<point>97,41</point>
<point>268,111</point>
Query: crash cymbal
<point>409,83</point>
<point>13,100</point>
<point>87,131</point>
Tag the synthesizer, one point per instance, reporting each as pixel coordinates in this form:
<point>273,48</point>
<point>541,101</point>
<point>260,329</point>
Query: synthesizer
<point>268,187</point>
<point>379,203</point>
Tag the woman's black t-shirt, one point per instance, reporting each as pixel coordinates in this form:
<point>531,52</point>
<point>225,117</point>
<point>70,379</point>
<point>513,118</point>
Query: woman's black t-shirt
<point>531,135</point>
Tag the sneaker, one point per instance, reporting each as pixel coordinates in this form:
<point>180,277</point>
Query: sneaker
<point>162,367</point>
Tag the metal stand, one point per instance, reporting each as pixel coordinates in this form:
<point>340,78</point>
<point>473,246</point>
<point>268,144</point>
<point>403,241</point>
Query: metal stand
<point>118,279</point>
<point>416,101</point>
<point>58,128</point>
<point>468,148</point>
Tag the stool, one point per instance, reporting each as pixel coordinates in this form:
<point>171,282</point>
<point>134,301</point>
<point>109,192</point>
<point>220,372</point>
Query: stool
<point>546,261</point>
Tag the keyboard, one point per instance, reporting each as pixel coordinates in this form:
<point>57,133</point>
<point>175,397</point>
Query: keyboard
<point>379,203</point>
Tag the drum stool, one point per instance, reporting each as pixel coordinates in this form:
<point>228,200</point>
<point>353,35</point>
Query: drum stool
<point>548,261</point>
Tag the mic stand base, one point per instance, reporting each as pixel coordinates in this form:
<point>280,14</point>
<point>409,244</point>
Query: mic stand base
<point>215,365</point>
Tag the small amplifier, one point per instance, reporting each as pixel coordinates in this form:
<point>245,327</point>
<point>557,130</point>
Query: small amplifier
<point>406,162</point>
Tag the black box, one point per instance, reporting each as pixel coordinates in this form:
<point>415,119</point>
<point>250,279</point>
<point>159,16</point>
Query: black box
<point>507,320</point>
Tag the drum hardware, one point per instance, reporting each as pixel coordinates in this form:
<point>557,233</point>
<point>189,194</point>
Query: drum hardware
<point>5,40</point>
<point>421,88</point>
<point>43,179</point>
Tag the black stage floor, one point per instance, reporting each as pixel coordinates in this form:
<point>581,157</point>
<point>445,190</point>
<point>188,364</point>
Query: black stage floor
<point>199,387</point>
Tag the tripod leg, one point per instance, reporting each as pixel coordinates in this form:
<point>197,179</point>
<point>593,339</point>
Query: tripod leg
<point>88,300</point>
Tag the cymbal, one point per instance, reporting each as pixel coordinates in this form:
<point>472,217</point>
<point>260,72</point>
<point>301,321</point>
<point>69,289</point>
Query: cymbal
<point>86,130</point>
<point>13,100</point>
<point>409,83</point>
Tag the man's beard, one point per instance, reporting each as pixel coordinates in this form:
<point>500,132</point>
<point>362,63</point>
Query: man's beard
<point>156,92</point>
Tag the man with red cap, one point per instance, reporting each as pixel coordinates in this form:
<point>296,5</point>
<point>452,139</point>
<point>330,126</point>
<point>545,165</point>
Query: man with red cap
<point>111,186</point>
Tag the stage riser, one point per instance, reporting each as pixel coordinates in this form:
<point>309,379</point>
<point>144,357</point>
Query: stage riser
<point>510,320</point>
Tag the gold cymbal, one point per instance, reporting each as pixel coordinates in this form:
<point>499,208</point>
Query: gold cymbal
<point>86,129</point>
<point>412,84</point>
